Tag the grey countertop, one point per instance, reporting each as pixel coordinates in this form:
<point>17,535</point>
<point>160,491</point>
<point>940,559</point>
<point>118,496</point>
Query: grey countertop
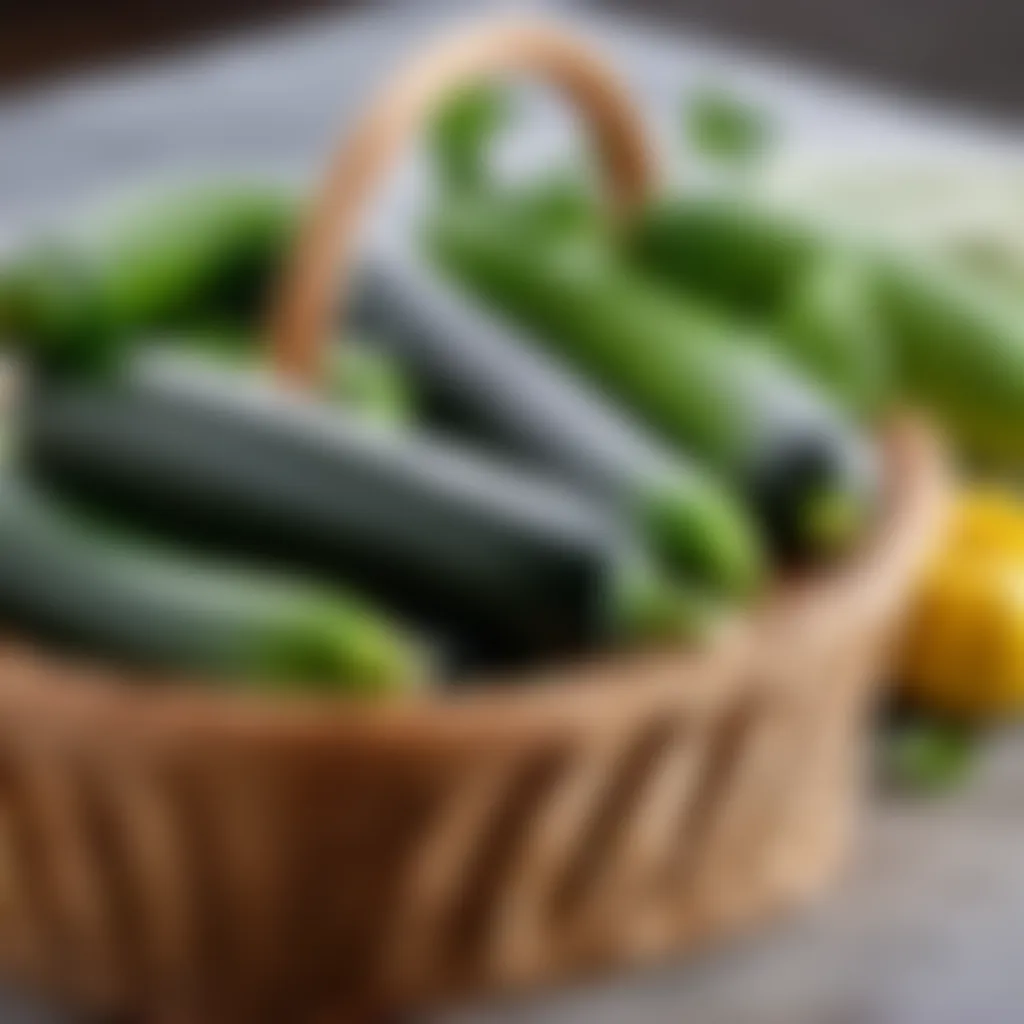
<point>928,927</point>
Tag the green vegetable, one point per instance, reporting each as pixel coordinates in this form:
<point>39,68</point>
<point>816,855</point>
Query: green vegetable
<point>461,140</point>
<point>818,301</point>
<point>928,757</point>
<point>959,347</point>
<point>709,387</point>
<point>203,255</point>
<point>721,125</point>
<point>432,530</point>
<point>461,135</point>
<point>957,343</point>
<point>558,207</point>
<point>64,579</point>
<point>830,326</point>
<point>479,377</point>
<point>747,256</point>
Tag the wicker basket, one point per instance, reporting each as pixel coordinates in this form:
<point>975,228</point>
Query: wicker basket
<point>231,858</point>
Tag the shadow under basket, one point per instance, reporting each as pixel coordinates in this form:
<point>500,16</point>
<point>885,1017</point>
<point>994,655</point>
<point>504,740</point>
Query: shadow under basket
<point>246,858</point>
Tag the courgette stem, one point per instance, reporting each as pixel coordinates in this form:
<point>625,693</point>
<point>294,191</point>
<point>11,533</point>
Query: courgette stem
<point>702,534</point>
<point>832,521</point>
<point>334,640</point>
<point>648,606</point>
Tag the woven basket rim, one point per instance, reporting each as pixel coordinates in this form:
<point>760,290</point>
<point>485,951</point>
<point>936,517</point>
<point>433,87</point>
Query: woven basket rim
<point>576,699</point>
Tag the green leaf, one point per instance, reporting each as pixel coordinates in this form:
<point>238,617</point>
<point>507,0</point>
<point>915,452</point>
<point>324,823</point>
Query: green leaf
<point>722,126</point>
<point>929,757</point>
<point>461,135</point>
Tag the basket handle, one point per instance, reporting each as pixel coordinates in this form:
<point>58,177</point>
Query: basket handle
<point>324,251</point>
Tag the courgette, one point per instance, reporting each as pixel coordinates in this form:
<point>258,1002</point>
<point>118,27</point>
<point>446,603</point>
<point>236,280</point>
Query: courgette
<point>831,327</point>
<point>477,376</point>
<point>959,349</point>
<point>201,255</point>
<point>707,385</point>
<point>70,581</point>
<point>746,255</point>
<point>428,528</point>
<point>956,343</point>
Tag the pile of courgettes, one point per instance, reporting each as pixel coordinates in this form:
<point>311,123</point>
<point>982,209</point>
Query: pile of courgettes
<point>556,434</point>
<point>164,502</point>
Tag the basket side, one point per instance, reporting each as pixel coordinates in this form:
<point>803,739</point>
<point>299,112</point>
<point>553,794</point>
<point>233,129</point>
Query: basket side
<point>252,858</point>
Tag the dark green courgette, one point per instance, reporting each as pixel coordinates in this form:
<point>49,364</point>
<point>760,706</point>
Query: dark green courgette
<point>478,376</point>
<point>65,580</point>
<point>745,255</point>
<point>206,254</point>
<point>428,528</point>
<point>708,386</point>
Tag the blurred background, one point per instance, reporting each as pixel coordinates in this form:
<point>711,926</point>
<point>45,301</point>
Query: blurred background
<point>966,50</point>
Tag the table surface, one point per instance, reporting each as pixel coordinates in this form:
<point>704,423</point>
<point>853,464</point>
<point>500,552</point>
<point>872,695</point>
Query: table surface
<point>929,924</point>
